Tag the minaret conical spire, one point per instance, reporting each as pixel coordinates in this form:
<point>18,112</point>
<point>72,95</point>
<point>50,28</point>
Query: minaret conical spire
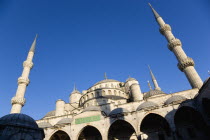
<point>185,63</point>
<point>155,83</point>
<point>18,100</point>
<point>154,12</point>
<point>33,46</point>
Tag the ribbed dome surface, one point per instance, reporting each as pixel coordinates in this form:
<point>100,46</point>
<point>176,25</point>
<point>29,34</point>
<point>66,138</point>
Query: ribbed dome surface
<point>175,99</point>
<point>146,105</point>
<point>51,113</point>
<point>106,81</point>
<point>44,125</point>
<point>118,111</point>
<point>153,93</point>
<point>18,119</point>
<point>64,121</point>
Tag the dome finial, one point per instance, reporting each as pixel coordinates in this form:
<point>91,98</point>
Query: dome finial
<point>75,88</point>
<point>154,12</point>
<point>150,87</point>
<point>105,76</point>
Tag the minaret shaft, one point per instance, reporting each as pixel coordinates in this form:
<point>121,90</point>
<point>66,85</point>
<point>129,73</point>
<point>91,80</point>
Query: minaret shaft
<point>18,100</point>
<point>185,63</point>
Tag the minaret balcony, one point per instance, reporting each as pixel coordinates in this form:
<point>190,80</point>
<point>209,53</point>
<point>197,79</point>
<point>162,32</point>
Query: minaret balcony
<point>22,80</point>
<point>174,43</point>
<point>165,28</point>
<point>17,100</point>
<point>185,63</point>
<point>28,64</point>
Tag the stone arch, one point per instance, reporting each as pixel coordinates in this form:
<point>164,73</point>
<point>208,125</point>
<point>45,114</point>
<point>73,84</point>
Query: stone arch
<point>155,127</point>
<point>60,135</point>
<point>89,133</point>
<point>109,92</point>
<point>121,130</point>
<point>103,92</point>
<point>190,124</point>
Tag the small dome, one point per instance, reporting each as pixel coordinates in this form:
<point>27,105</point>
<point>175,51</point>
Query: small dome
<point>118,111</point>
<point>175,99</point>
<point>49,114</point>
<point>18,119</point>
<point>64,121</point>
<point>153,93</point>
<point>131,79</point>
<point>44,125</point>
<point>105,81</point>
<point>146,105</point>
<point>92,108</point>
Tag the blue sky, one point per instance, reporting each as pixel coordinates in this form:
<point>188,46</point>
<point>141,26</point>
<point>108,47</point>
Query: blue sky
<point>79,40</point>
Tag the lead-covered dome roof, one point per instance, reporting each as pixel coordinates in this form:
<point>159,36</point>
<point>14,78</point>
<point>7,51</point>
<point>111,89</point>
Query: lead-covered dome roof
<point>147,105</point>
<point>175,99</point>
<point>18,119</point>
<point>153,93</point>
<point>106,81</point>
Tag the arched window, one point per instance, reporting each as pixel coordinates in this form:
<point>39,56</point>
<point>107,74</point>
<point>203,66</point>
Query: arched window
<point>92,95</point>
<point>97,94</point>
<point>87,97</point>
<point>103,93</point>
<point>112,85</point>
<point>115,92</point>
<point>110,92</point>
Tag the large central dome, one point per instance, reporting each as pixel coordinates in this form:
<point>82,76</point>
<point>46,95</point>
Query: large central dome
<point>105,81</point>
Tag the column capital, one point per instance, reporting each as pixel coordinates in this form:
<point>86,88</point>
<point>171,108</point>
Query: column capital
<point>185,63</point>
<point>22,80</point>
<point>28,64</point>
<point>17,100</point>
<point>174,43</point>
<point>164,28</point>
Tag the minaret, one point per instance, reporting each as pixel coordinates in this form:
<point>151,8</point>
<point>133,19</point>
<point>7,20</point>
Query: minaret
<point>155,83</point>
<point>18,100</point>
<point>185,63</point>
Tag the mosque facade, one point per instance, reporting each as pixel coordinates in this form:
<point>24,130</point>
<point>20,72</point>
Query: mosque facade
<point>116,110</point>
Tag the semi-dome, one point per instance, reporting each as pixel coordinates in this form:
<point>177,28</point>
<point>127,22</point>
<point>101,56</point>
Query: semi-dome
<point>153,93</point>
<point>49,114</point>
<point>147,105</point>
<point>175,99</point>
<point>18,119</point>
<point>105,81</point>
<point>44,125</point>
<point>118,111</point>
<point>92,108</point>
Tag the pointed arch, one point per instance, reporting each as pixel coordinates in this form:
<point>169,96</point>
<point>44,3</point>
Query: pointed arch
<point>60,135</point>
<point>121,129</point>
<point>89,133</point>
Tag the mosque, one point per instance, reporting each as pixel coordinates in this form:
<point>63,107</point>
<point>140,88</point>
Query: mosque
<point>116,110</point>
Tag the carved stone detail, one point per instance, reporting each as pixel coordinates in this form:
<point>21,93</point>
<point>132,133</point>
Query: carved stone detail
<point>173,43</point>
<point>28,64</point>
<point>22,80</point>
<point>16,100</point>
<point>185,63</point>
<point>165,28</point>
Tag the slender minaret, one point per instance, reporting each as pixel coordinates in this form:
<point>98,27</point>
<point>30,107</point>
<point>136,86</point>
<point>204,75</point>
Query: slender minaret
<point>18,100</point>
<point>155,83</point>
<point>185,63</point>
